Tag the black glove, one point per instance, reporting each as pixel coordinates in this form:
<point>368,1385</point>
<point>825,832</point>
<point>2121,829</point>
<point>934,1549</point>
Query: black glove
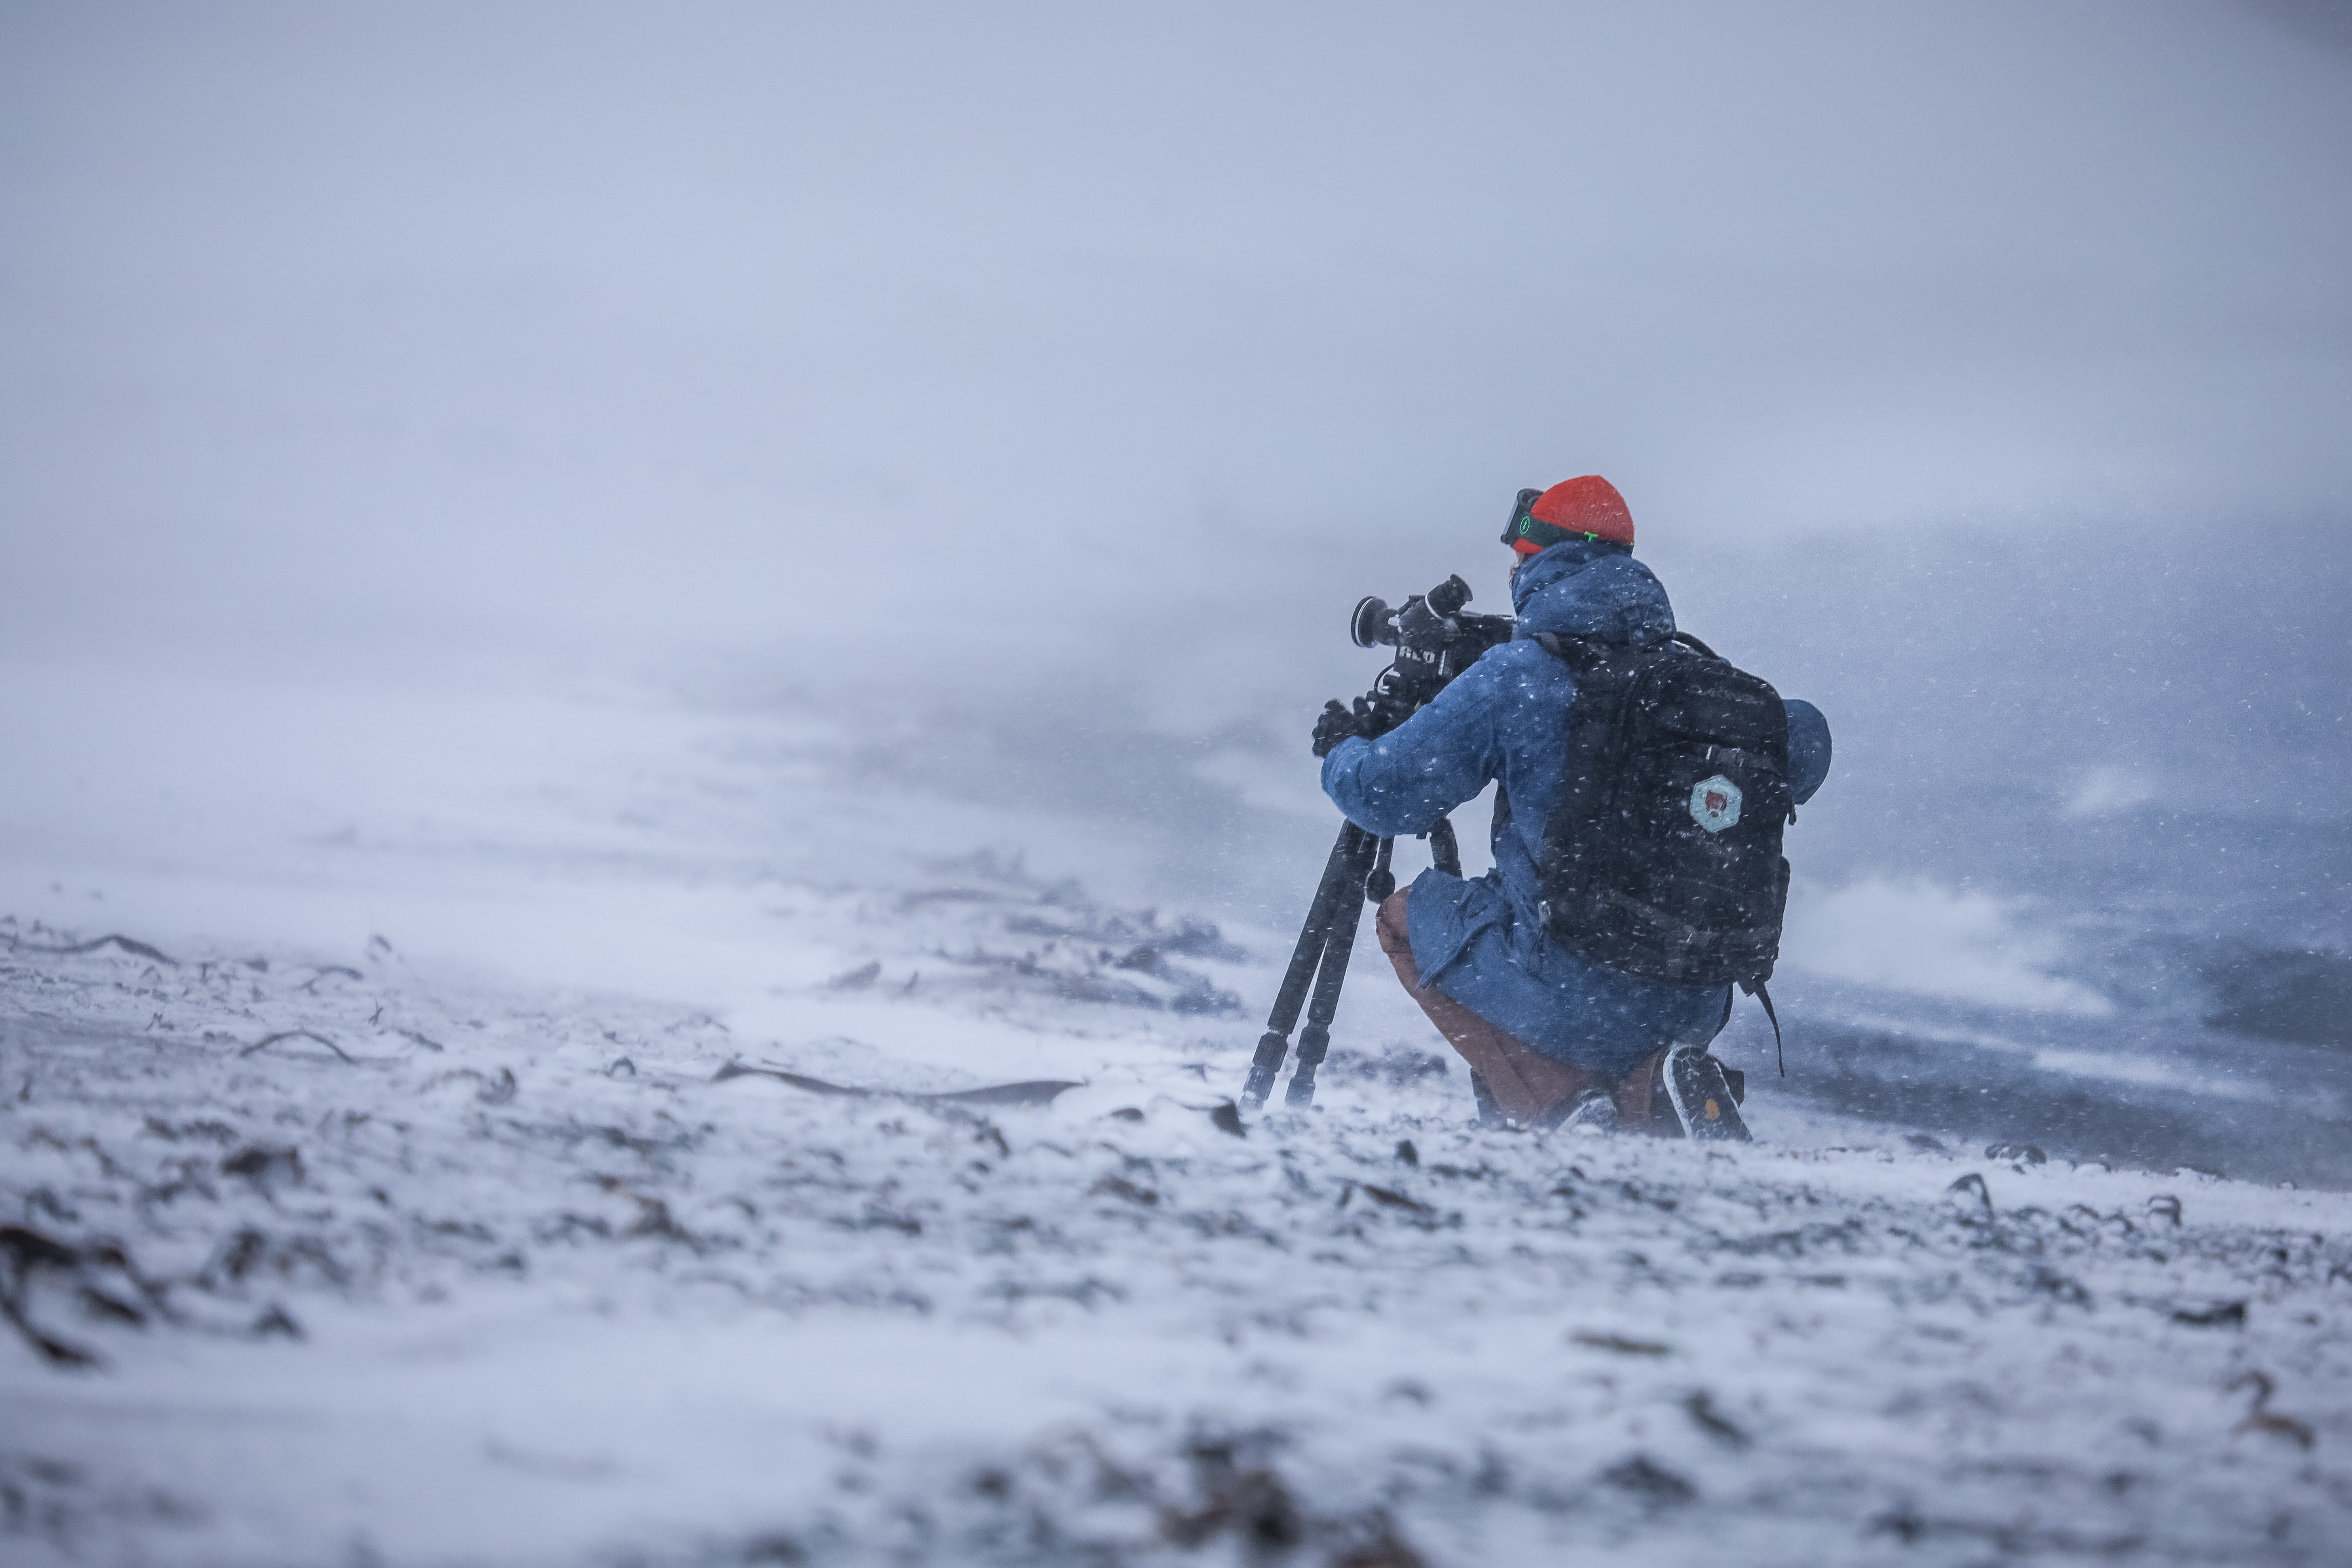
<point>1335,724</point>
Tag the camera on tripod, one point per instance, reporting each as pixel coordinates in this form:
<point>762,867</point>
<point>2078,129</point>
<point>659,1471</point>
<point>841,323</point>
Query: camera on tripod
<point>1434,643</point>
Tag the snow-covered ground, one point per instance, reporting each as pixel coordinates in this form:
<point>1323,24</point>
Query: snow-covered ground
<point>399,1208</point>
<point>547,553</point>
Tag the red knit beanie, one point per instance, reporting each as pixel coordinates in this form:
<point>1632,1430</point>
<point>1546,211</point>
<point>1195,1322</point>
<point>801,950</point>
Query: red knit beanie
<point>1588,504</point>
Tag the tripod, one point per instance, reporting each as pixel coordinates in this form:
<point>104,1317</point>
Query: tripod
<point>1359,868</point>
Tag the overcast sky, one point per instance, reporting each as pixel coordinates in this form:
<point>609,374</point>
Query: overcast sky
<point>659,322</point>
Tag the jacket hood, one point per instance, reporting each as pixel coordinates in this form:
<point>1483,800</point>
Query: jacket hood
<point>1588,588</point>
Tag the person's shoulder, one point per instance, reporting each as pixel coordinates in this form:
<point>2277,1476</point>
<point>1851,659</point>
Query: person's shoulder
<point>1508,669</point>
<point>1519,658</point>
<point>1506,659</point>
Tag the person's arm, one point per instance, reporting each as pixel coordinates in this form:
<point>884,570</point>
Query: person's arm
<point>1404,781</point>
<point>1809,749</point>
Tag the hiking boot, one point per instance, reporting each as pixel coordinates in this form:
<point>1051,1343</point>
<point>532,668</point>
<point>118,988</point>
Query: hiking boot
<point>1702,1097</point>
<point>1490,1115</point>
<point>1662,1123</point>
<point>1591,1112</point>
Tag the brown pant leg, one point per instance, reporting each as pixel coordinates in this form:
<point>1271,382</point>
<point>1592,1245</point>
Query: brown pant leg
<point>1526,1085</point>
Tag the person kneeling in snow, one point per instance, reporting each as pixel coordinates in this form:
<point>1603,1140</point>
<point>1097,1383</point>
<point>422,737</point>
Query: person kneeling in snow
<point>1554,1038</point>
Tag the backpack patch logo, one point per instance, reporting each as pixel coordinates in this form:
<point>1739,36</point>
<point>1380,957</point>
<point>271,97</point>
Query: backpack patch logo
<point>1715,803</point>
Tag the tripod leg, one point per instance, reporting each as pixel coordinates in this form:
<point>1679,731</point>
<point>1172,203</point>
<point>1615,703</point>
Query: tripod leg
<point>1315,1038</point>
<point>1336,891</point>
<point>1444,852</point>
<point>1340,883</point>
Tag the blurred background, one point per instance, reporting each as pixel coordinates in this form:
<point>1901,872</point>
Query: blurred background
<point>456,430</point>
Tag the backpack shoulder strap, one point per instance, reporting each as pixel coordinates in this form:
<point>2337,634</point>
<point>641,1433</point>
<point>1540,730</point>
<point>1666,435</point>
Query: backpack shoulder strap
<point>1756,988</point>
<point>1582,652</point>
<point>1577,653</point>
<point>1591,657</point>
<point>1689,641</point>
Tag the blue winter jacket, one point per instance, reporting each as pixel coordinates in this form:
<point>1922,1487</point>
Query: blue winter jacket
<point>1507,718</point>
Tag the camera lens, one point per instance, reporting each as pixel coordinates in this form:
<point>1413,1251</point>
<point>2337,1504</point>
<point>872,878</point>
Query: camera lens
<point>1372,623</point>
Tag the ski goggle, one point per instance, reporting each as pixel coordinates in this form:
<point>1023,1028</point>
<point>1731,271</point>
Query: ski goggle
<point>1538,534</point>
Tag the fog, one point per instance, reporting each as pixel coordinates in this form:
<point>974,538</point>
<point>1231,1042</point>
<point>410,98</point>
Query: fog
<point>621,333</point>
<point>1029,392</point>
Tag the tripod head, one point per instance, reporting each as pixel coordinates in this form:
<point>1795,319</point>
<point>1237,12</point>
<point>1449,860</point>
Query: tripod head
<point>1434,640</point>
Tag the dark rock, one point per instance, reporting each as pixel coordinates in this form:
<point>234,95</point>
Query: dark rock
<point>2226,1315</point>
<point>1656,1485</point>
<point>265,1165</point>
<point>1389,1198</point>
<point>27,1248</point>
<point>1118,1187</point>
<point>277,1322</point>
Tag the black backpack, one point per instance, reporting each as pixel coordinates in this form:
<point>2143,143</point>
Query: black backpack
<point>1663,858</point>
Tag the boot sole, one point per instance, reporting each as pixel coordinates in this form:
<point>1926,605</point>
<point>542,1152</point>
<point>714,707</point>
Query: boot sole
<point>1703,1101</point>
